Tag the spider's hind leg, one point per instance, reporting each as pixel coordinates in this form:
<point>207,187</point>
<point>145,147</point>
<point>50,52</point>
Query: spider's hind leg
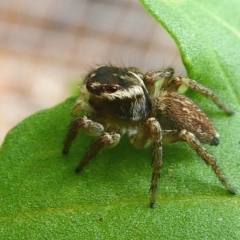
<point>206,157</point>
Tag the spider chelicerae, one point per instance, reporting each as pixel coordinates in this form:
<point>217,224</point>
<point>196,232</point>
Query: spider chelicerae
<point>116,100</point>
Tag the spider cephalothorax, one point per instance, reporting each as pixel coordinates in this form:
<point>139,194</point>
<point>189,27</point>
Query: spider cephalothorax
<point>116,100</point>
<point>121,93</point>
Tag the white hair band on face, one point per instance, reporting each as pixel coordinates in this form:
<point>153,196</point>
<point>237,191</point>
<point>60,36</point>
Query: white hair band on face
<point>139,79</point>
<point>131,92</point>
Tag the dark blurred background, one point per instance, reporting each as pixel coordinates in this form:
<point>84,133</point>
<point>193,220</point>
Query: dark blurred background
<point>47,45</point>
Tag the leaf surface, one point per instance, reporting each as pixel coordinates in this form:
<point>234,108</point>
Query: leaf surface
<point>42,197</point>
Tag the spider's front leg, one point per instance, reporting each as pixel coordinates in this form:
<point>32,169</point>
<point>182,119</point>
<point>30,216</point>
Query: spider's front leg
<point>104,139</point>
<point>82,123</point>
<point>151,130</point>
<point>207,157</point>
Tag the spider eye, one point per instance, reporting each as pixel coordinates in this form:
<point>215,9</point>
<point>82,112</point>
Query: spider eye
<point>108,88</point>
<point>112,88</point>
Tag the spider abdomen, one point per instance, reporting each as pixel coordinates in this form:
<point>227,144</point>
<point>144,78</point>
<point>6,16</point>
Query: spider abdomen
<point>177,112</point>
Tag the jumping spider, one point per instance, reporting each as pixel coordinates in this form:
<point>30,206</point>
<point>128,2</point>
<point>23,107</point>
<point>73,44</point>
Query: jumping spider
<point>116,100</point>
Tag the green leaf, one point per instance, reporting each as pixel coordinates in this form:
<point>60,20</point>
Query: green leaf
<point>43,198</point>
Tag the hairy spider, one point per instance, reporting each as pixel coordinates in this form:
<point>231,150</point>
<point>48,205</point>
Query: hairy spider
<point>117,100</point>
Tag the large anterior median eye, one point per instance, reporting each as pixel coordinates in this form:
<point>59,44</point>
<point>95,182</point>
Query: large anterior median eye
<point>113,88</point>
<point>109,88</point>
